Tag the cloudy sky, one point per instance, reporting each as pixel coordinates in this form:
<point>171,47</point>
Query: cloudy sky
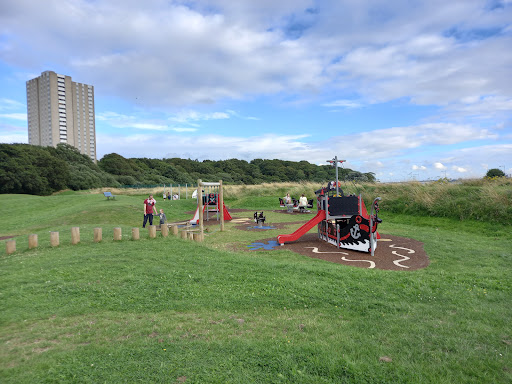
<point>405,89</point>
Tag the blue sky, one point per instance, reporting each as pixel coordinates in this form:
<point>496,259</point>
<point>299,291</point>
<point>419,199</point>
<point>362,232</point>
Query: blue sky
<point>405,89</point>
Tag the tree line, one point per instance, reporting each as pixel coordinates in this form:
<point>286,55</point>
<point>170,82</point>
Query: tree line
<point>39,170</point>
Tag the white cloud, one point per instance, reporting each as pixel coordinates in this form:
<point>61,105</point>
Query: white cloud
<point>149,126</point>
<point>193,116</point>
<point>343,103</point>
<point>178,129</point>
<point>13,138</point>
<point>399,140</point>
<point>439,166</point>
<point>118,120</point>
<point>419,168</point>
<point>9,104</point>
<point>482,106</point>
<point>189,52</point>
<point>459,169</point>
<point>14,116</point>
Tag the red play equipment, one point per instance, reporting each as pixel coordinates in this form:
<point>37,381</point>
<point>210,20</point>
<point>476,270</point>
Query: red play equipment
<point>210,204</point>
<point>302,230</point>
<point>342,220</point>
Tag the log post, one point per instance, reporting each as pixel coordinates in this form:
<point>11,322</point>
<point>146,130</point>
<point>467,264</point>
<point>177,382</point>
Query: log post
<point>165,230</point>
<point>175,229</point>
<point>152,231</point>
<point>32,241</point>
<point>135,234</point>
<point>54,239</point>
<point>75,235</point>
<point>184,234</point>
<point>220,203</point>
<point>118,235</point>
<point>10,246</point>
<point>200,195</point>
<point>98,235</point>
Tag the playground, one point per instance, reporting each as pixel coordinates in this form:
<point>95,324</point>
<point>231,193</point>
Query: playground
<point>346,233</point>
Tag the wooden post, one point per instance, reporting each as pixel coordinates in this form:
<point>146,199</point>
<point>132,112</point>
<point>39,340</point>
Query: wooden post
<point>200,204</point>
<point>135,234</point>
<point>10,246</point>
<point>32,241</point>
<point>98,235</point>
<point>152,231</point>
<point>184,234</point>
<point>165,230</point>
<point>54,239</point>
<point>190,235</point>
<point>221,206</point>
<point>118,235</point>
<point>75,235</point>
<point>175,229</point>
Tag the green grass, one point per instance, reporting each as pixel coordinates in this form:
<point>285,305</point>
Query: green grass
<point>169,310</point>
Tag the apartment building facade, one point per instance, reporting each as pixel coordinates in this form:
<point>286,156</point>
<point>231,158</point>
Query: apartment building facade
<point>60,110</point>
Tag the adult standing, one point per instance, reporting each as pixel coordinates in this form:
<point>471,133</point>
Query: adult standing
<point>149,206</point>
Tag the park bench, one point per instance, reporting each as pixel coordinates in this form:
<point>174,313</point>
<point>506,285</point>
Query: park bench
<point>109,195</point>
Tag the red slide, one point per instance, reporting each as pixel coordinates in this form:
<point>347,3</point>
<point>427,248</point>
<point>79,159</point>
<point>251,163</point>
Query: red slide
<point>302,230</point>
<point>227,216</point>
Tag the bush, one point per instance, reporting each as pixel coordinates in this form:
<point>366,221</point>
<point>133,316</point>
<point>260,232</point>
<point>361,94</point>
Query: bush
<point>40,170</point>
<point>495,172</point>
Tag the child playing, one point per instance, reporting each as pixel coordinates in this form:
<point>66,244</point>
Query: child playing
<point>163,219</point>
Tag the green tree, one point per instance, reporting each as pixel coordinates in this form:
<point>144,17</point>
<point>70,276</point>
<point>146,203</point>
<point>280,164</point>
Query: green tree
<point>31,169</point>
<point>495,172</point>
<point>117,165</point>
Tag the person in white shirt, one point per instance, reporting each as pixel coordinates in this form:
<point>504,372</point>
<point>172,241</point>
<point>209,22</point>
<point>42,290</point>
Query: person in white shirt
<point>303,201</point>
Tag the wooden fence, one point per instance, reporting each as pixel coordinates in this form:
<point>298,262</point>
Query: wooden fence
<point>186,233</point>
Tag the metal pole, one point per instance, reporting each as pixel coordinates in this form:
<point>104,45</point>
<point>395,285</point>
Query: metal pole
<point>336,165</point>
<point>334,162</point>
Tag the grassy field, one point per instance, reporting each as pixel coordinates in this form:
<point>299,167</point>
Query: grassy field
<point>167,310</point>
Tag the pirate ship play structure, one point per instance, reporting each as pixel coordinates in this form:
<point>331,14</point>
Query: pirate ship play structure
<point>342,220</point>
